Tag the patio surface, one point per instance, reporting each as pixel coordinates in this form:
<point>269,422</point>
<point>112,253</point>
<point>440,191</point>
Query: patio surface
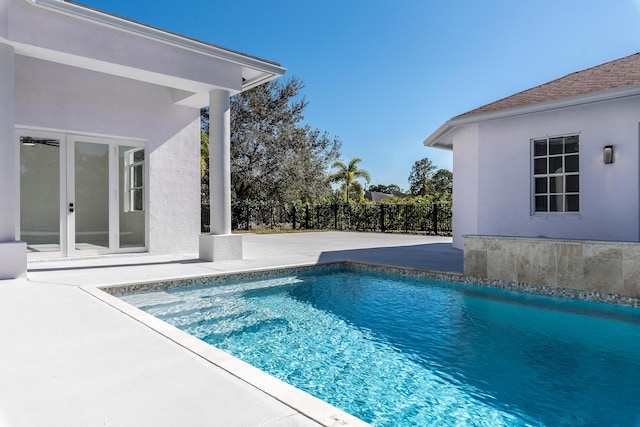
<point>68,359</point>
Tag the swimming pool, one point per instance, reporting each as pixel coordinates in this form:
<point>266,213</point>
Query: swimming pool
<point>398,351</point>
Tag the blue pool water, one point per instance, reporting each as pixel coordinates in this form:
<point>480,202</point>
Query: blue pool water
<point>400,351</point>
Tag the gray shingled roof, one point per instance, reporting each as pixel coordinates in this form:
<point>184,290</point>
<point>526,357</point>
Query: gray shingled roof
<point>610,75</point>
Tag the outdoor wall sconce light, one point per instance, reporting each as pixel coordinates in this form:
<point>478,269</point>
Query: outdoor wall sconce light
<point>607,154</point>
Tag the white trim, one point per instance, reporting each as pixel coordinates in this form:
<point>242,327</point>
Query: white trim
<point>549,174</point>
<point>129,189</point>
<point>114,212</point>
<point>64,197</point>
<point>436,138</point>
<point>62,189</point>
<point>69,248</point>
<point>16,162</point>
<point>268,69</point>
<point>67,190</point>
<point>83,134</point>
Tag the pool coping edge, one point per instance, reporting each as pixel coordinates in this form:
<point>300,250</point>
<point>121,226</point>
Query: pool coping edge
<point>300,401</point>
<point>154,285</point>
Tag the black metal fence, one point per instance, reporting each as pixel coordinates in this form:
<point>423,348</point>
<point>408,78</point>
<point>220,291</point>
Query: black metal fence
<point>418,218</point>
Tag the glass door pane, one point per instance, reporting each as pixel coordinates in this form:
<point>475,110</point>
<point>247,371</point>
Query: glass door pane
<point>81,195</point>
<point>91,202</point>
<point>40,194</point>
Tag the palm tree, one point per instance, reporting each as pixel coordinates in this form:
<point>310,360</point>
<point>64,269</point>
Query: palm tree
<point>347,174</point>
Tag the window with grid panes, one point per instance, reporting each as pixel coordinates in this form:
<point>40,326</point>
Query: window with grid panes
<point>556,174</point>
<point>134,180</point>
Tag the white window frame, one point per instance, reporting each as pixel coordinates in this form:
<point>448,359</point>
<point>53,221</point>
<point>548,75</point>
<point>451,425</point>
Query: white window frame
<point>568,180</point>
<point>130,187</point>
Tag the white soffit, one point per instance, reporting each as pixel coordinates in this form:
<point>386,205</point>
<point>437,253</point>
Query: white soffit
<point>255,71</point>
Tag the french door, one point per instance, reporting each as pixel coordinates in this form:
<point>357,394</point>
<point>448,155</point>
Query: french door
<point>81,195</point>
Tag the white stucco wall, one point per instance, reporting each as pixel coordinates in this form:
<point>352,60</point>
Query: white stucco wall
<point>465,183</point>
<point>4,19</point>
<point>174,175</point>
<point>73,100</point>
<point>609,194</point>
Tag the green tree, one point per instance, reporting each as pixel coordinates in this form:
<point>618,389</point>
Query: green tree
<point>274,155</point>
<point>388,189</point>
<point>204,166</point>
<point>442,182</point>
<point>355,190</point>
<point>420,177</point>
<point>347,175</point>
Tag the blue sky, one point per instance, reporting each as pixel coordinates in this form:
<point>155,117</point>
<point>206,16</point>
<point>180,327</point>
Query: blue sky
<point>384,74</point>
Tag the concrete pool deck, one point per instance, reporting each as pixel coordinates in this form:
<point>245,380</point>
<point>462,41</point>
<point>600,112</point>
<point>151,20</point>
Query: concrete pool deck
<point>69,359</point>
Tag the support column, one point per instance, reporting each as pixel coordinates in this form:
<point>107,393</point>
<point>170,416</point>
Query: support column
<point>220,161</point>
<point>220,245</point>
<point>13,254</point>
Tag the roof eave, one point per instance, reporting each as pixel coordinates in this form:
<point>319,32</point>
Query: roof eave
<point>573,101</point>
<point>268,70</point>
<point>261,79</point>
<point>437,138</point>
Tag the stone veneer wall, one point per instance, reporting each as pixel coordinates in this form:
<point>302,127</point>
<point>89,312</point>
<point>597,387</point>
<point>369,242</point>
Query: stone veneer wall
<point>590,266</point>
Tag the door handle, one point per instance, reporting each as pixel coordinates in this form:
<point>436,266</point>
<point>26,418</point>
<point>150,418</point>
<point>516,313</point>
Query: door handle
<point>71,208</point>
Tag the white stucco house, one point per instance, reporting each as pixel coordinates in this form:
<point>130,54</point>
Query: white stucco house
<point>100,135</point>
<point>560,160</point>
